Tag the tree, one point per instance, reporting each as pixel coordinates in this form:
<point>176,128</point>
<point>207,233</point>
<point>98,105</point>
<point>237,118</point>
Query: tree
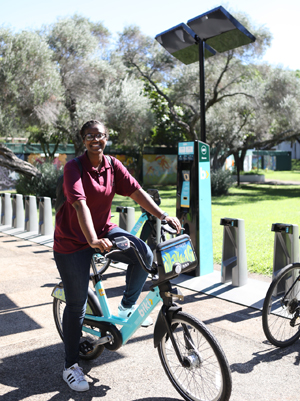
<point>76,44</point>
<point>165,130</point>
<point>45,137</point>
<point>9,160</point>
<point>224,72</point>
<point>261,121</point>
<point>30,89</point>
<point>96,86</point>
<point>84,82</point>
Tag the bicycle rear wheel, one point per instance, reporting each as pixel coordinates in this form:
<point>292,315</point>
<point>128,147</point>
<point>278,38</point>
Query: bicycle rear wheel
<point>86,338</point>
<point>206,374</point>
<point>280,315</point>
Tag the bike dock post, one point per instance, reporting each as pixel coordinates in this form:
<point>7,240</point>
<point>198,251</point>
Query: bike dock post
<point>18,211</point>
<point>45,217</point>
<point>17,215</point>
<point>6,212</point>
<point>31,220</point>
<point>126,217</point>
<point>234,258</point>
<point>45,236</point>
<point>286,245</point>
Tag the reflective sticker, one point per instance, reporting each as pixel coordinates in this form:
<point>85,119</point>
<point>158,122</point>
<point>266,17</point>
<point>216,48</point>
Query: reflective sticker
<point>59,293</point>
<point>88,310</point>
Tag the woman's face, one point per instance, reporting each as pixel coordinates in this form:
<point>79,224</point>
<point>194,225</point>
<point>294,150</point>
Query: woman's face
<point>95,139</point>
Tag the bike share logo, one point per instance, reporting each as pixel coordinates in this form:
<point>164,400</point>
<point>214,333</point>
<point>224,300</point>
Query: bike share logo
<point>204,174</point>
<point>145,306</point>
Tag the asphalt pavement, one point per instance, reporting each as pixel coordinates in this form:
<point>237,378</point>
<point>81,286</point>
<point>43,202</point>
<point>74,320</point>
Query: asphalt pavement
<point>31,352</point>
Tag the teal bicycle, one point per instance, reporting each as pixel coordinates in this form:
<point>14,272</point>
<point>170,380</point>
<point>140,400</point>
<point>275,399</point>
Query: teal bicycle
<point>190,354</point>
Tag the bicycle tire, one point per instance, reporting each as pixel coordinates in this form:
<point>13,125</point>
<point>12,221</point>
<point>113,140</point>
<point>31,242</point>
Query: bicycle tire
<point>280,307</point>
<point>207,374</point>
<point>58,310</point>
<point>102,263</point>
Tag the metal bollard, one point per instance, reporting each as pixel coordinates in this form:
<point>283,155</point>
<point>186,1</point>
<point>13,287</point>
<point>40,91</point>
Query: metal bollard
<point>286,251</point>
<point>6,210</point>
<point>31,221</point>
<point>286,245</point>
<point>45,216</point>
<point>234,258</point>
<point>126,217</point>
<point>17,211</point>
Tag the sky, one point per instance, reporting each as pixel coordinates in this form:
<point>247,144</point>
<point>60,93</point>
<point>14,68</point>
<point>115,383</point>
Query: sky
<point>156,16</point>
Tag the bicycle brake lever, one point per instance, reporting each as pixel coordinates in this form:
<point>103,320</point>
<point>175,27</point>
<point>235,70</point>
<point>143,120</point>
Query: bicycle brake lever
<point>168,228</point>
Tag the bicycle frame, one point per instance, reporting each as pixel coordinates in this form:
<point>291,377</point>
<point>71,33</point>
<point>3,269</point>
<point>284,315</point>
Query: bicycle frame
<point>143,217</point>
<point>130,325</point>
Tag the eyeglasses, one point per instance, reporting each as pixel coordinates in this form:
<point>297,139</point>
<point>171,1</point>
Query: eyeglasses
<point>90,137</point>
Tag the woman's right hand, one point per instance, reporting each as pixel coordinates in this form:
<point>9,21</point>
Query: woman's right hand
<point>104,244</point>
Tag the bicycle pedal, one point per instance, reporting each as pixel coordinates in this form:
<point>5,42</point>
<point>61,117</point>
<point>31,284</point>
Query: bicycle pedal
<point>86,347</point>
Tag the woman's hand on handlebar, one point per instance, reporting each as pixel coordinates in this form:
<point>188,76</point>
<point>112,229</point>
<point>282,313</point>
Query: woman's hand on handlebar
<point>174,222</point>
<point>103,244</point>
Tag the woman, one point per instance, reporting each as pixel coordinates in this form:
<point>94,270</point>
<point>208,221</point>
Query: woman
<point>82,224</point>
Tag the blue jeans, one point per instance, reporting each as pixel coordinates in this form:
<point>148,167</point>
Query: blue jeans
<point>74,271</point>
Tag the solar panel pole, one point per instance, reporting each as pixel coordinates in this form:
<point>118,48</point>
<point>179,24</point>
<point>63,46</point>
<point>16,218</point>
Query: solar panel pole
<point>201,45</point>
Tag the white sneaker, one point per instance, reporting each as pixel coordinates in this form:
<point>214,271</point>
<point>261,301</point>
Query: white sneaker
<point>75,378</point>
<point>125,313</point>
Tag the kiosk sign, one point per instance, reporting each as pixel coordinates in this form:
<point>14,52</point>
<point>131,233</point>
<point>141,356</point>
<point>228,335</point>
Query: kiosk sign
<point>205,213</point>
<point>193,205</point>
<point>203,152</point>
<point>186,150</point>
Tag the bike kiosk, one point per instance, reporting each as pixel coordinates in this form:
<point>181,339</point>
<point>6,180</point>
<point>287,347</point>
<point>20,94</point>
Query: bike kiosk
<point>213,32</point>
<point>193,205</point>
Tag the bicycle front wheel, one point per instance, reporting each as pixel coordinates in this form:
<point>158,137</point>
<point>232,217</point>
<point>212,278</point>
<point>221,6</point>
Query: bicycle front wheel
<point>205,373</point>
<point>101,262</point>
<point>280,315</point>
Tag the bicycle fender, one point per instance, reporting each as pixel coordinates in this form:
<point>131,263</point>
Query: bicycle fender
<point>59,292</point>
<point>164,319</point>
<point>93,307</point>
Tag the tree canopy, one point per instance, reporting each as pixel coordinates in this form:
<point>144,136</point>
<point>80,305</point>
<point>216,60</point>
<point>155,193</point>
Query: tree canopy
<point>71,71</point>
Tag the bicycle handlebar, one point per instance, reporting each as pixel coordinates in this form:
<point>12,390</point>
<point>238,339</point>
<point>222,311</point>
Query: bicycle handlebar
<point>121,244</point>
<point>167,228</point>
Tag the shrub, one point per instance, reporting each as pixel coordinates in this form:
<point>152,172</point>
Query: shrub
<point>221,181</point>
<point>296,164</point>
<point>45,185</point>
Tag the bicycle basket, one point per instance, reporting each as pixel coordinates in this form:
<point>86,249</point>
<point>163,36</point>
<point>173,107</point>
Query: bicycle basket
<point>175,256</point>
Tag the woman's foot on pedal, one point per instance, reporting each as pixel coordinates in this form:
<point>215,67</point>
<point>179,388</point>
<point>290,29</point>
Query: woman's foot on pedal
<point>125,313</point>
<point>75,378</point>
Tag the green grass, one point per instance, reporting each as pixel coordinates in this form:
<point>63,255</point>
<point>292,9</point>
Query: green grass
<point>281,175</point>
<point>259,206</point>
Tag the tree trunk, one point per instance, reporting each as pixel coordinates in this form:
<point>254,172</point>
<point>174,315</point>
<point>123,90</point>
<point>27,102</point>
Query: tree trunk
<point>9,160</point>
<point>237,163</point>
<point>242,159</point>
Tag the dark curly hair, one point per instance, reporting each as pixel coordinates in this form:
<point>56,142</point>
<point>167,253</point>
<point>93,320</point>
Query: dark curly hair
<point>90,124</point>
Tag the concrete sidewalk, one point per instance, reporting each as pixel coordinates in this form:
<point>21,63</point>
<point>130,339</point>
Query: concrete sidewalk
<point>31,353</point>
